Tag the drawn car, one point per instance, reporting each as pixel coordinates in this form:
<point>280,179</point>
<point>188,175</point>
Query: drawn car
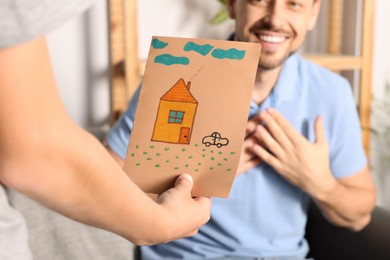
<point>215,139</point>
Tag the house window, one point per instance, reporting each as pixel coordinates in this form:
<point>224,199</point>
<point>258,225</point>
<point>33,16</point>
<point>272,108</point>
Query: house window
<point>175,117</point>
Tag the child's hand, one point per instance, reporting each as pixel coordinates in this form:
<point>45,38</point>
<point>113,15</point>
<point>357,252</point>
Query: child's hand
<point>184,215</point>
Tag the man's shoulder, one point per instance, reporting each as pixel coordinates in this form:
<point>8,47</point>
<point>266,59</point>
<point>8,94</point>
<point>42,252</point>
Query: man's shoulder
<point>308,81</point>
<point>321,82</point>
<point>317,73</point>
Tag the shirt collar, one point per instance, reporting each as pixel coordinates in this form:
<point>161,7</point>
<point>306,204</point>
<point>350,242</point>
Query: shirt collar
<point>287,87</point>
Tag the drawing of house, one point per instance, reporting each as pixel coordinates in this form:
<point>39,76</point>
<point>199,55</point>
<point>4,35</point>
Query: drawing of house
<point>175,115</point>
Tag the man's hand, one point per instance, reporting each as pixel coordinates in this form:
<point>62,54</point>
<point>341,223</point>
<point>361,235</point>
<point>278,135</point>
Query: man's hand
<point>299,161</point>
<point>248,158</point>
<point>346,202</point>
<point>184,214</point>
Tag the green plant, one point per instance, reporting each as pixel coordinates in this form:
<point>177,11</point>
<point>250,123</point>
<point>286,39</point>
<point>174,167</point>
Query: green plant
<point>380,145</point>
<point>381,114</point>
<point>222,15</point>
<point>381,122</point>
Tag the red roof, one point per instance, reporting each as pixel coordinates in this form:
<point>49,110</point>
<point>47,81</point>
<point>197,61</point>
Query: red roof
<point>180,93</point>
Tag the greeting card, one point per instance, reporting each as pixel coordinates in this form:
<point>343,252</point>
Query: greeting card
<point>192,113</point>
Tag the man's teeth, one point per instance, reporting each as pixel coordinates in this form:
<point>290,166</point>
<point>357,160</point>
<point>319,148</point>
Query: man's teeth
<point>271,39</point>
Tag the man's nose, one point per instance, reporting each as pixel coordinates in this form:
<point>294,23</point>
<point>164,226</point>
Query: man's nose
<point>275,14</point>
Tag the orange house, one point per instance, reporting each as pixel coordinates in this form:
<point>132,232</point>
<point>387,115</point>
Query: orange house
<point>176,115</point>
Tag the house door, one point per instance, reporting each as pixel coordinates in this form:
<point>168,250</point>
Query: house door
<point>184,135</point>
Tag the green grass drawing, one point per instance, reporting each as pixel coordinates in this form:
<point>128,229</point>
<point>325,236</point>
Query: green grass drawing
<point>216,157</point>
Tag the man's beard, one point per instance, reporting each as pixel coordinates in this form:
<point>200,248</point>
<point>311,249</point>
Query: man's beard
<point>269,64</point>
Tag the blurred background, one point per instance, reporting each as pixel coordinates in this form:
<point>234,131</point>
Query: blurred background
<point>84,78</point>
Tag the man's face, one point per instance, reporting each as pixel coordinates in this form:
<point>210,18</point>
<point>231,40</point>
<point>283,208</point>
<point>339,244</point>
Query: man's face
<point>279,25</point>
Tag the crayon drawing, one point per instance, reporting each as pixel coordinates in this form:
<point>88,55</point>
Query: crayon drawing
<point>176,115</point>
<point>191,114</point>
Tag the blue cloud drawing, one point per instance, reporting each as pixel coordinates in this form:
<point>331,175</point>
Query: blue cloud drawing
<point>157,44</point>
<point>201,49</point>
<point>168,59</point>
<point>232,54</point>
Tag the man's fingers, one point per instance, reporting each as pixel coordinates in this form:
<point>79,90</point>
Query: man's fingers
<point>246,153</point>
<point>248,165</point>
<point>276,130</point>
<point>270,143</point>
<point>293,136</point>
<point>319,130</point>
<point>267,157</point>
<point>251,125</point>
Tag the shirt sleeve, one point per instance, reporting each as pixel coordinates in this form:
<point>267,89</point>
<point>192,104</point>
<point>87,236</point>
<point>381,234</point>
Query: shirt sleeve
<point>119,136</point>
<point>24,20</point>
<point>347,155</point>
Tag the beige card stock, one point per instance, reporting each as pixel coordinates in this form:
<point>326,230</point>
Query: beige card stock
<point>192,113</point>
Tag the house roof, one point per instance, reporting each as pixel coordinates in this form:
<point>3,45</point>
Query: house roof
<point>179,93</point>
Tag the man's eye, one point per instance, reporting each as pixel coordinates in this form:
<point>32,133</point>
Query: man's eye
<point>295,4</point>
<point>257,1</point>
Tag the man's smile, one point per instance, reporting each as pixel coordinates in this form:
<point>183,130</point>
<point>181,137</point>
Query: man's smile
<point>271,38</point>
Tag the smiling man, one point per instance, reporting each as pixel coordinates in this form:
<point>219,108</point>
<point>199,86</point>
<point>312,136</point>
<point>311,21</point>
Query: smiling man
<point>303,142</point>
<point>280,33</point>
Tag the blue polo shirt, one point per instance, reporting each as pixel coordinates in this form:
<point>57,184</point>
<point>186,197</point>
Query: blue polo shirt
<point>265,215</point>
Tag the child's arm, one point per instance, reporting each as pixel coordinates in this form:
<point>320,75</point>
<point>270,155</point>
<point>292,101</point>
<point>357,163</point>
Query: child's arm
<point>45,155</point>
